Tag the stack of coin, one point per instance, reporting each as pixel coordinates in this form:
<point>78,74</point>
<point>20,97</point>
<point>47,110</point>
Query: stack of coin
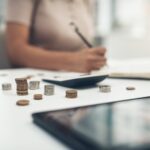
<point>71,93</point>
<point>6,86</point>
<point>105,88</point>
<point>34,85</point>
<point>38,96</point>
<point>22,86</point>
<point>49,90</point>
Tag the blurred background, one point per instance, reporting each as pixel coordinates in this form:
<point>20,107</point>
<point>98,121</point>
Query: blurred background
<point>123,26</point>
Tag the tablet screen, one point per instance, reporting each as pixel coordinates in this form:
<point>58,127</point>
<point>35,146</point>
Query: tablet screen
<point>121,125</point>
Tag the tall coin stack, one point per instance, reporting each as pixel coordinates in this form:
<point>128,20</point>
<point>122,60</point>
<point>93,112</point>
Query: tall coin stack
<point>22,86</point>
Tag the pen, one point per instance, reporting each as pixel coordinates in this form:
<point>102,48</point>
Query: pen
<point>80,35</point>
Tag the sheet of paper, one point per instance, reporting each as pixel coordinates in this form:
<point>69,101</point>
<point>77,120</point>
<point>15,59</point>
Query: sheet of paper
<point>86,97</point>
<point>134,68</point>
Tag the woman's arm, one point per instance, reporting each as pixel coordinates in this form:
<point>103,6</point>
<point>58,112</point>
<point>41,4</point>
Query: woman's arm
<point>22,53</point>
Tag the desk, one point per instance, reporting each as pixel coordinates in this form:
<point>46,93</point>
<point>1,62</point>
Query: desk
<point>17,130</point>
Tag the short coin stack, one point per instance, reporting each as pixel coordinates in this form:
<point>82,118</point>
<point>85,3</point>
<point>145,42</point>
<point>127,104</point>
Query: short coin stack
<point>34,85</point>
<point>22,86</point>
<point>49,90</point>
<point>105,88</point>
<point>6,86</point>
<point>38,96</point>
<point>71,94</point>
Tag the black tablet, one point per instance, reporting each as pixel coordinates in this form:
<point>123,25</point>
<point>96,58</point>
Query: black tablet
<point>119,126</point>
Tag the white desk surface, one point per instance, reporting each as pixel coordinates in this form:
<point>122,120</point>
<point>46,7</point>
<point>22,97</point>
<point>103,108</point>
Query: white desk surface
<point>17,130</point>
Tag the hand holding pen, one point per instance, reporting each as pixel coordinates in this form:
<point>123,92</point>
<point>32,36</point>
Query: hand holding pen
<point>90,58</point>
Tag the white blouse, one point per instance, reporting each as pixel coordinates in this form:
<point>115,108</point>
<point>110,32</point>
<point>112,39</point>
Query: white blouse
<point>52,29</point>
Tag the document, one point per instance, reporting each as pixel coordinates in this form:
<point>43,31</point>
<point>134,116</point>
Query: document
<point>132,68</point>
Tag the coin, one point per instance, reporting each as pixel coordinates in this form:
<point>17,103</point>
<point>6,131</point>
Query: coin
<point>21,93</point>
<point>22,86</point>
<point>3,75</point>
<point>49,90</point>
<point>22,102</point>
<point>34,85</point>
<point>20,80</point>
<point>40,74</point>
<point>105,88</point>
<point>71,94</point>
<point>130,88</point>
<point>38,96</point>
<point>6,86</point>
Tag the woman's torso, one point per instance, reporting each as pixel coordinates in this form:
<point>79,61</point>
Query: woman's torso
<point>52,29</point>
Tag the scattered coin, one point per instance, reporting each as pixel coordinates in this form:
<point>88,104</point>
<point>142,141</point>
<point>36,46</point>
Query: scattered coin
<point>130,88</point>
<point>3,75</point>
<point>49,90</point>
<point>85,74</point>
<point>71,94</point>
<point>6,86</point>
<point>105,88</point>
<point>34,85</point>
<point>56,77</point>
<point>40,74</point>
<point>22,102</point>
<point>38,96</point>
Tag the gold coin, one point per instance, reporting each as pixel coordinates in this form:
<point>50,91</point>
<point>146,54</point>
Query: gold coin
<point>20,80</point>
<point>71,93</point>
<point>22,102</point>
<point>22,93</point>
<point>38,96</point>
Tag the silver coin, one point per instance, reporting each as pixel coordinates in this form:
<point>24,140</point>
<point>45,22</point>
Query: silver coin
<point>34,85</point>
<point>49,90</point>
<point>3,75</point>
<point>6,86</point>
<point>105,88</point>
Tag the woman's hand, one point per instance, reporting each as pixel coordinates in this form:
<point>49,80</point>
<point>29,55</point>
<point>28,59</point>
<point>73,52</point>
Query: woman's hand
<point>88,60</point>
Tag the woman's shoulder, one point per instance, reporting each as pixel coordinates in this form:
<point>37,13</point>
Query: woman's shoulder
<point>17,2</point>
<point>19,11</point>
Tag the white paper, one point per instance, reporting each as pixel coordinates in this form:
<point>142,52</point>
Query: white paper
<point>86,97</point>
<point>134,68</point>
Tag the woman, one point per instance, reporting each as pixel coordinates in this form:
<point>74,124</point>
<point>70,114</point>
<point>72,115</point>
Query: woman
<point>39,35</point>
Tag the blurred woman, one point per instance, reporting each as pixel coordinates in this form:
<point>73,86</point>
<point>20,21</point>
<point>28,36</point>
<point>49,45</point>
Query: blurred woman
<point>39,35</point>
